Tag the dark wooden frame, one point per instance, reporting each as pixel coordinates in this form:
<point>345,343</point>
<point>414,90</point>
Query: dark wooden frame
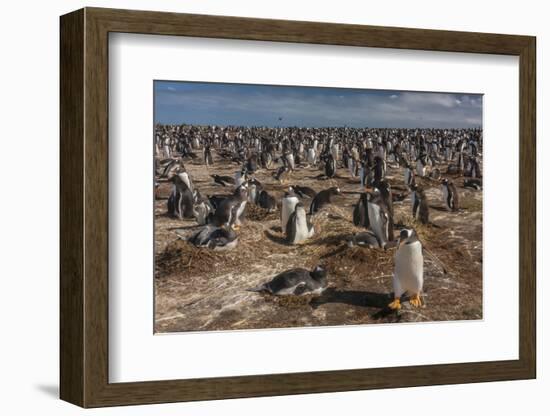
<point>84,207</point>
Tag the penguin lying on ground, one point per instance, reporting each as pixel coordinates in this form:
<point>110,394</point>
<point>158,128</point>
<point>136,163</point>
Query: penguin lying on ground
<point>304,191</point>
<point>266,201</point>
<point>473,184</point>
<point>295,282</point>
<point>215,238</point>
<point>364,239</point>
<point>408,275</point>
<point>323,198</point>
<point>223,180</point>
<point>298,228</point>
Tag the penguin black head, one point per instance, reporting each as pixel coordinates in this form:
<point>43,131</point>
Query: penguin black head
<point>319,273</point>
<point>406,235</point>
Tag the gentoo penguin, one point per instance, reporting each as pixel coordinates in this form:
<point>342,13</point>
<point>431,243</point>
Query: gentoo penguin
<point>408,274</point>
<point>304,191</point>
<point>364,239</point>
<point>379,170</point>
<point>330,166</point>
<point>323,198</point>
<point>266,159</point>
<point>184,176</point>
<point>420,207</point>
<point>202,209</point>
<point>180,202</point>
<point>253,193</point>
<point>450,194</point>
<point>289,202</point>
<point>229,211</point>
<point>386,194</point>
<point>207,155</point>
<point>380,218</point>
<point>360,212</point>
<point>266,201</point>
<point>282,173</point>
<point>421,166</point>
<point>473,183</point>
<point>435,174</point>
<point>295,282</point>
<point>409,176</point>
<point>215,238</point>
<point>223,180</point>
<point>311,157</point>
<point>298,228</point>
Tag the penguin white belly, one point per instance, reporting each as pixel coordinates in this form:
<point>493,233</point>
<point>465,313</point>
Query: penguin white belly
<point>445,193</point>
<point>302,230</point>
<point>409,269</point>
<point>311,156</point>
<point>407,176</point>
<point>420,169</point>
<point>287,208</point>
<point>239,213</point>
<point>185,178</point>
<point>376,222</point>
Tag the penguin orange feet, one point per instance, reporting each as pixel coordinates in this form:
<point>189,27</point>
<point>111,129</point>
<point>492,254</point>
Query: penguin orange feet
<point>395,305</point>
<point>415,301</point>
<point>236,227</point>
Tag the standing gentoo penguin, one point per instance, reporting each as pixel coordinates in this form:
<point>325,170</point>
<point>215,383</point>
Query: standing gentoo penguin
<point>230,210</point>
<point>322,198</point>
<point>409,176</point>
<point>330,166</point>
<point>267,201</point>
<point>298,228</point>
<point>450,194</point>
<point>360,212</point>
<point>207,154</point>
<point>420,207</point>
<point>295,282</point>
<point>180,202</point>
<point>408,275</point>
<point>287,207</point>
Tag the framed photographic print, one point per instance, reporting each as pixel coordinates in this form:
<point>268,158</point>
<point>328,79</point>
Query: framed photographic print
<point>256,207</point>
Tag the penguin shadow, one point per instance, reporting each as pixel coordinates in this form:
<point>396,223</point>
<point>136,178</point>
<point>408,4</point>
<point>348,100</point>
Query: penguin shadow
<point>331,240</point>
<point>438,208</point>
<point>353,298</point>
<point>276,239</point>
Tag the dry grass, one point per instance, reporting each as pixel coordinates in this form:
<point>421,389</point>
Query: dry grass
<point>200,289</point>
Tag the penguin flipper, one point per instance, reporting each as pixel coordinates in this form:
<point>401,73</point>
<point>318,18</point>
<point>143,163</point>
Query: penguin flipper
<point>300,289</point>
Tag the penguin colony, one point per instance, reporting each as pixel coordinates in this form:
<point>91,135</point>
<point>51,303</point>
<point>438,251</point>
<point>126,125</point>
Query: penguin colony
<point>427,158</point>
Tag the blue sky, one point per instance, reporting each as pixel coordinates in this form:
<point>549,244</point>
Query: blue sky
<point>263,105</point>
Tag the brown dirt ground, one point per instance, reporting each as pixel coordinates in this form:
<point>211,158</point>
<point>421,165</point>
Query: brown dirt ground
<point>199,289</point>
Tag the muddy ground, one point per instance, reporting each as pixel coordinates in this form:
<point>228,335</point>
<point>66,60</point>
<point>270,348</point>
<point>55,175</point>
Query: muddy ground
<point>205,290</point>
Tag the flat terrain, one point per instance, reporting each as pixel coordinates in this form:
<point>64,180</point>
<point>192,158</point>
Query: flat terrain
<point>205,290</point>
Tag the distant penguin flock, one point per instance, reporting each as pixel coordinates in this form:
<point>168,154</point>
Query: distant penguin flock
<point>427,158</point>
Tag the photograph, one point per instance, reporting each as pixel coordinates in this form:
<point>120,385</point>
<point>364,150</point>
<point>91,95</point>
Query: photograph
<point>281,206</point>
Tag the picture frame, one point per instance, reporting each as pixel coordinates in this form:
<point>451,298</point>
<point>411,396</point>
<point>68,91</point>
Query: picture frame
<point>84,170</point>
